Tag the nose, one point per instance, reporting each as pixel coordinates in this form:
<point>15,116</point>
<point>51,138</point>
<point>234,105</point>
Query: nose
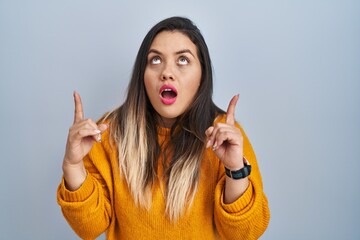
<point>167,72</point>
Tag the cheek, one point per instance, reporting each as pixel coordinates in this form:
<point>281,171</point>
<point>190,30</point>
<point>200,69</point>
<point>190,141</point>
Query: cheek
<point>192,90</point>
<point>195,84</point>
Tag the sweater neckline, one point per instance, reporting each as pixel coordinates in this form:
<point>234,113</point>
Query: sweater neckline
<point>163,131</point>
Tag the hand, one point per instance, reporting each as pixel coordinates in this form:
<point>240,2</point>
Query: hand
<point>82,135</point>
<point>227,140</point>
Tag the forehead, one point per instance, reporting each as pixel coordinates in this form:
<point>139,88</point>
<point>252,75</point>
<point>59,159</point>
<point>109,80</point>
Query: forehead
<point>172,41</point>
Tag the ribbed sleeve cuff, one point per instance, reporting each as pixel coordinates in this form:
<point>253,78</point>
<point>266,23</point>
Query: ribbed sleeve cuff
<point>79,195</point>
<point>240,204</point>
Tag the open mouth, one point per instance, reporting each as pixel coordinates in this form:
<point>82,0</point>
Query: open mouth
<point>168,94</point>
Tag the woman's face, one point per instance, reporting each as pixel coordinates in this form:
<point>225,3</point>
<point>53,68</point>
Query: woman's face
<point>172,75</point>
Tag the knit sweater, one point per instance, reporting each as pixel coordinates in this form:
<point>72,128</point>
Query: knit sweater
<point>104,203</point>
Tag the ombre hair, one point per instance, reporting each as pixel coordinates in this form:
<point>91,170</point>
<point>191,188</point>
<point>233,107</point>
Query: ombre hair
<point>134,128</point>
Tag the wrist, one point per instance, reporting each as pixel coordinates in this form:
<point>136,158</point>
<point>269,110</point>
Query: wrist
<point>74,175</point>
<point>240,172</point>
<point>236,162</point>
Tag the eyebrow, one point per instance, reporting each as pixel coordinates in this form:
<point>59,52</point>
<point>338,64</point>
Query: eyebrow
<point>177,53</point>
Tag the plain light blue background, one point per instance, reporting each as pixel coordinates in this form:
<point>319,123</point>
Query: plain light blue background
<point>296,65</point>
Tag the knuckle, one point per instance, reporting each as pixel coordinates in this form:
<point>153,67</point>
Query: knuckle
<point>222,131</point>
<point>81,132</point>
<point>89,120</point>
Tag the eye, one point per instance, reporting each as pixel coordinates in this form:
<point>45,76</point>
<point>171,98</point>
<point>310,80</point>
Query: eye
<point>155,60</point>
<point>183,61</point>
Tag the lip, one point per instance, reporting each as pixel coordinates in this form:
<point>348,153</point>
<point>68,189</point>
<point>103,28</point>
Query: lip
<point>167,101</point>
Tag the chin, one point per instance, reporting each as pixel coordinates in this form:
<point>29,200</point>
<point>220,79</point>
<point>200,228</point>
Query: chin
<point>166,116</point>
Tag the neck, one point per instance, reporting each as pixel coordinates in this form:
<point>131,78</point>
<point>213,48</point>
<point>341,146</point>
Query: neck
<point>166,122</point>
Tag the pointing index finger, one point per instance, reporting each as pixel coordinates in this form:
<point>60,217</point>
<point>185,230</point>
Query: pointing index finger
<point>79,113</point>
<point>230,113</point>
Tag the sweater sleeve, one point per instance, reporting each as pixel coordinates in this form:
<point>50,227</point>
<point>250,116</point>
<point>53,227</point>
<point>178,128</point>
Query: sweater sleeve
<point>247,217</point>
<point>88,209</point>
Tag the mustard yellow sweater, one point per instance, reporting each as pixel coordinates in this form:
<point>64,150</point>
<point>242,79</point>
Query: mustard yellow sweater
<point>104,203</point>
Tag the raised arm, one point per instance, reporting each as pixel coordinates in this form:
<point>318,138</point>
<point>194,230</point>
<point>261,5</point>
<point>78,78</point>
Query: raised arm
<point>82,135</point>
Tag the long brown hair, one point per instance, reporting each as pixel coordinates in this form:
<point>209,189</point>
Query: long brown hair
<point>134,129</point>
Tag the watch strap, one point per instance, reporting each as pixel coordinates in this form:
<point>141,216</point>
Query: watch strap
<point>241,173</point>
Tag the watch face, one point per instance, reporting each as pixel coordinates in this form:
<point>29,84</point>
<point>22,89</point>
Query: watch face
<point>239,174</point>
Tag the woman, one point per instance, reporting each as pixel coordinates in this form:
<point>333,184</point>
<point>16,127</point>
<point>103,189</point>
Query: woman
<point>154,168</point>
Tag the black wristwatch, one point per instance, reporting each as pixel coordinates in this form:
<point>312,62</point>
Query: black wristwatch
<point>241,173</point>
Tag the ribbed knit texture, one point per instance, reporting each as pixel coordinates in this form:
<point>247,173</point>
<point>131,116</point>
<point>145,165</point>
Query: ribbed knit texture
<point>104,203</point>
